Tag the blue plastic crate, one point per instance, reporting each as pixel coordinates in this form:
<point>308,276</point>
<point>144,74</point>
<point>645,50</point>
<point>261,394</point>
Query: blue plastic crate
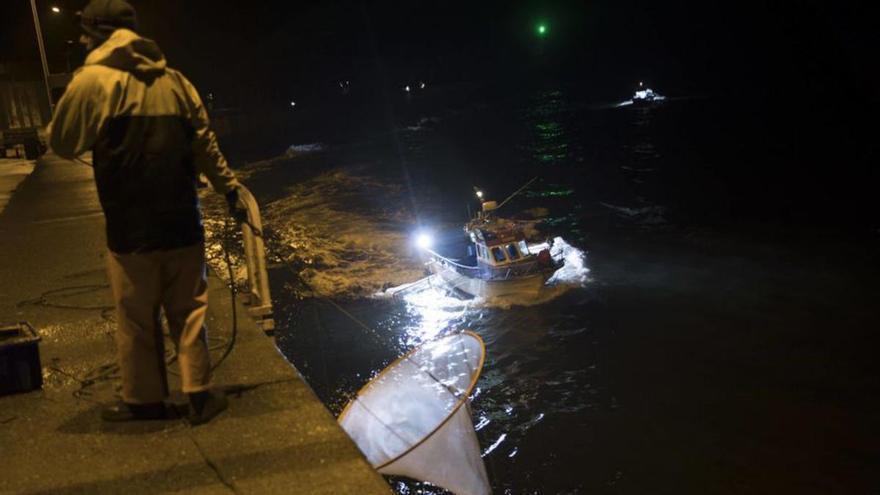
<point>20,369</point>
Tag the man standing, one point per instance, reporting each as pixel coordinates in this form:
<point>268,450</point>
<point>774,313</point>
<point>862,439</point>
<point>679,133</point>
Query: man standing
<point>148,130</point>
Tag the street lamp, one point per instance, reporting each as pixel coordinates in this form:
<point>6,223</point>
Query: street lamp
<point>56,9</point>
<point>43,54</point>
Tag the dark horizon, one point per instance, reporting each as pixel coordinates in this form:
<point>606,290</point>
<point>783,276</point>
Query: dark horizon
<point>798,80</point>
<point>685,48</point>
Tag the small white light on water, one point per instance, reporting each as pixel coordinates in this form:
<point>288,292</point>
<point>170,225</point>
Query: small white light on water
<point>293,103</point>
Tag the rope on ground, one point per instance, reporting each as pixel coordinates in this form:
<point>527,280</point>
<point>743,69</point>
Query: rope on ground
<point>110,371</point>
<point>70,291</point>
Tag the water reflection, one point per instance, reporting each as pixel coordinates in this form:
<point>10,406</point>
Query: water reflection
<point>433,310</point>
<point>550,140</point>
<point>344,231</point>
<point>640,170</point>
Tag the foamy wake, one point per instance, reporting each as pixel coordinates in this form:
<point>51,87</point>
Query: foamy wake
<point>574,272</point>
<point>345,233</point>
<point>349,236</point>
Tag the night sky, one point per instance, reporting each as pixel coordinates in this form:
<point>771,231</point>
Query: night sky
<point>806,49</point>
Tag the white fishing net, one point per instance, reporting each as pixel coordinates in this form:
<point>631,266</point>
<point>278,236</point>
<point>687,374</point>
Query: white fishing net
<point>413,420</point>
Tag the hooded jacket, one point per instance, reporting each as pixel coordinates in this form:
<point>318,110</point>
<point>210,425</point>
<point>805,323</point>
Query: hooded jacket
<point>149,133</point>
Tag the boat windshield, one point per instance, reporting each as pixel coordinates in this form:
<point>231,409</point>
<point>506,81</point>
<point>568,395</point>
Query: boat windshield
<point>511,252</point>
<point>498,254</point>
<point>523,248</point>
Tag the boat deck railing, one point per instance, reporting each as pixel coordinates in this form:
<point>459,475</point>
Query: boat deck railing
<point>495,274</point>
<point>449,262</point>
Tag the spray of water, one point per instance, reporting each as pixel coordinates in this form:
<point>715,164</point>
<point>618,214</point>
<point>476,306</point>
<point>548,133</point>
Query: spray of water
<point>575,271</point>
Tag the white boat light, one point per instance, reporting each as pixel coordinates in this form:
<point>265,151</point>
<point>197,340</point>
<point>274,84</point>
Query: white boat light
<point>424,241</point>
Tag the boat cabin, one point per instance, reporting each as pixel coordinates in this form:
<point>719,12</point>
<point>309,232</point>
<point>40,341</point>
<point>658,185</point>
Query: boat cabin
<point>499,247</point>
<point>503,260</point>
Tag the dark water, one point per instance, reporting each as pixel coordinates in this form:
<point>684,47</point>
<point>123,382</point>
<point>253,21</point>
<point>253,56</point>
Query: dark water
<point>725,339</point>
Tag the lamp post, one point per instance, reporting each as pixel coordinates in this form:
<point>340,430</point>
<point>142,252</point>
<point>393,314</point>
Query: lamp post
<point>42,56</point>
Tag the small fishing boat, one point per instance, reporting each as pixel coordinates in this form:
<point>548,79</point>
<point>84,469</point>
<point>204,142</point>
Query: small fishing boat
<point>501,263</point>
<point>646,96</point>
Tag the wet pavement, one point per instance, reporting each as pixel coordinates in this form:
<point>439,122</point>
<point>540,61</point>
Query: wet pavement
<point>12,172</point>
<point>276,437</point>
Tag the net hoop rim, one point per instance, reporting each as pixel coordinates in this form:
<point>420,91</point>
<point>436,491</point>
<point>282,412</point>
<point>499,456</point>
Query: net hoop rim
<point>449,416</point>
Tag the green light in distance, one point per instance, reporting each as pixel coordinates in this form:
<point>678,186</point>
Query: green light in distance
<point>543,30</point>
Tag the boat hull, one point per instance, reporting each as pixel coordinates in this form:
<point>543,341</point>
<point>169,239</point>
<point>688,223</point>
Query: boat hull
<point>519,286</point>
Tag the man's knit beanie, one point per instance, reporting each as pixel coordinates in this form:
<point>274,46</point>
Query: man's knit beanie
<point>101,17</point>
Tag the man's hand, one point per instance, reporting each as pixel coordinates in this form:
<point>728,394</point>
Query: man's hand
<point>237,209</point>
<point>43,134</point>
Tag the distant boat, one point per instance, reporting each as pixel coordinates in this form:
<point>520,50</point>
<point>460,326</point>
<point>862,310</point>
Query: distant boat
<point>646,96</point>
<point>502,263</point>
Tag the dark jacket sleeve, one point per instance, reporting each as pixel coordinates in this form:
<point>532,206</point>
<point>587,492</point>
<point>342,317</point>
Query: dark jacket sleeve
<point>208,158</point>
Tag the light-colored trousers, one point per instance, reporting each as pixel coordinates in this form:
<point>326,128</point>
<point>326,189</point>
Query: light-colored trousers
<point>176,281</point>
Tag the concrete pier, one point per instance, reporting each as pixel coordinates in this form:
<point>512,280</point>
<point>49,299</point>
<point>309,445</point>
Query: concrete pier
<point>276,436</point>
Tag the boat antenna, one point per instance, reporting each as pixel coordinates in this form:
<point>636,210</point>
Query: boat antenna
<point>517,192</point>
